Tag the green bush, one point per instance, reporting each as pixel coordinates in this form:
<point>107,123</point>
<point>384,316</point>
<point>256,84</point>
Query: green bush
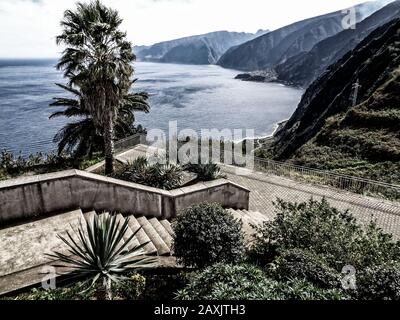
<point>15,165</point>
<point>162,176</point>
<point>300,289</point>
<point>229,282</point>
<point>131,288</point>
<point>205,172</point>
<point>379,282</point>
<point>76,291</point>
<point>304,265</point>
<point>328,232</point>
<point>247,282</point>
<point>206,234</point>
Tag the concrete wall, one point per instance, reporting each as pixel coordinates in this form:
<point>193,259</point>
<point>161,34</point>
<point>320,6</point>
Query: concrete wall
<point>35,196</point>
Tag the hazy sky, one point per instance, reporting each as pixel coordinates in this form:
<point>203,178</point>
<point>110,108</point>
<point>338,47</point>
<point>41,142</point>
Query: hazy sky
<point>28,27</point>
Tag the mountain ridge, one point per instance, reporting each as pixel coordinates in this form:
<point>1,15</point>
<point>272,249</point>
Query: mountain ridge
<point>199,49</point>
<point>304,68</point>
<point>277,46</point>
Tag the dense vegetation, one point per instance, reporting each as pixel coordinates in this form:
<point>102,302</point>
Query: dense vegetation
<point>12,165</point>
<point>305,253</point>
<point>247,282</point>
<point>364,141</point>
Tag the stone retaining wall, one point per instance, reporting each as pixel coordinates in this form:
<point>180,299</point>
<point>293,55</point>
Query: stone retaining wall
<point>47,194</point>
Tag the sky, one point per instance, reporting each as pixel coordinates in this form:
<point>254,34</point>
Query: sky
<point>28,27</point>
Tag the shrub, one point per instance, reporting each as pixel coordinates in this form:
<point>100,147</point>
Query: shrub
<point>247,282</point>
<point>164,284</point>
<point>379,282</point>
<point>229,282</point>
<point>304,265</point>
<point>76,291</point>
<point>332,234</point>
<point>163,176</point>
<point>131,288</point>
<point>300,289</point>
<point>207,234</point>
<point>205,172</point>
<point>39,162</point>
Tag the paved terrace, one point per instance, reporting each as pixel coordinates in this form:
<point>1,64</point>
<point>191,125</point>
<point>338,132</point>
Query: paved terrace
<point>267,188</point>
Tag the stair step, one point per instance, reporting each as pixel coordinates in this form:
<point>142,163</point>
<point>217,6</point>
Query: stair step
<point>167,225</point>
<point>25,246</point>
<point>259,217</point>
<point>134,242</point>
<point>240,213</point>
<point>142,236</point>
<point>89,216</point>
<point>250,218</point>
<point>235,214</point>
<point>164,234</point>
<point>158,242</point>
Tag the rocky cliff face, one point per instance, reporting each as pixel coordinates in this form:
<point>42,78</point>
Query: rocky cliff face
<point>282,44</point>
<point>304,68</point>
<point>349,118</point>
<point>202,49</point>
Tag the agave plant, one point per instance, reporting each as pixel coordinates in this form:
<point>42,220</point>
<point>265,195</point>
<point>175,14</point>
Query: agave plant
<point>205,172</point>
<point>163,176</point>
<point>97,252</point>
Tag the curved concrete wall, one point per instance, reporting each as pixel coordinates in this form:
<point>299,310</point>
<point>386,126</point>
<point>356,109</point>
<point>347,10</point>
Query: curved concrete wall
<point>47,194</point>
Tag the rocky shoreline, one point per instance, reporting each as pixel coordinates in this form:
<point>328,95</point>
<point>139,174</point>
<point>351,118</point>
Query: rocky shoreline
<point>258,76</point>
<point>266,76</point>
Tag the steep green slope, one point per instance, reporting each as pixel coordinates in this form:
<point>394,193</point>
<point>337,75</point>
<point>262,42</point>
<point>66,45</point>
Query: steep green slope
<point>365,141</point>
<point>349,119</point>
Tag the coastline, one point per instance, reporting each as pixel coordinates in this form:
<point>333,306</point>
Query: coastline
<point>277,126</point>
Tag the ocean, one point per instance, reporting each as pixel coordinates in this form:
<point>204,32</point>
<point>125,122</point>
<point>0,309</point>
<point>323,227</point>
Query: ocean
<point>197,97</point>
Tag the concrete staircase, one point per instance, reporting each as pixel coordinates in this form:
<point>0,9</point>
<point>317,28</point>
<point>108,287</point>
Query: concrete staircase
<point>250,220</point>
<point>23,247</point>
<point>157,233</point>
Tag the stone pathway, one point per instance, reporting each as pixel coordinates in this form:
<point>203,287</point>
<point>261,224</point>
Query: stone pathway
<point>267,188</point>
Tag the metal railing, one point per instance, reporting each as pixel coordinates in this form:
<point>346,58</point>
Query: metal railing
<point>129,142</point>
<point>343,182</point>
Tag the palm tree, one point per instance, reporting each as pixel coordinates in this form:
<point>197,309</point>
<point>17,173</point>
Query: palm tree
<point>81,137</point>
<point>97,59</point>
<point>99,252</point>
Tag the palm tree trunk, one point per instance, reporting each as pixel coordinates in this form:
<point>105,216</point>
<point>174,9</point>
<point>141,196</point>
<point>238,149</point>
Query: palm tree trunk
<point>109,145</point>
